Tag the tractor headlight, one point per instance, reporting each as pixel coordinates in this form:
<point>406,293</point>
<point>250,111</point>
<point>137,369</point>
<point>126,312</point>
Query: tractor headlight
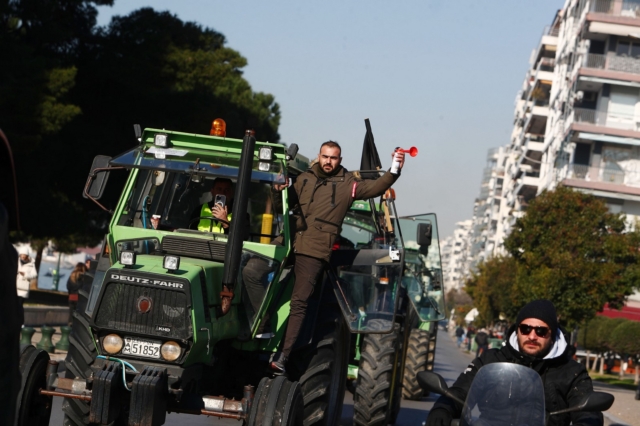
<point>112,343</point>
<point>170,351</point>
<point>265,153</point>
<point>171,263</point>
<point>128,258</point>
<point>161,140</point>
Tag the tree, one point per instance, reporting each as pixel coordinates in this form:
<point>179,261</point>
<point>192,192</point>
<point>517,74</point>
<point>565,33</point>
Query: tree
<point>589,332</point>
<point>73,91</point>
<point>605,331</point>
<point>625,338</point>
<point>456,298</point>
<point>571,250</point>
<point>491,289</point>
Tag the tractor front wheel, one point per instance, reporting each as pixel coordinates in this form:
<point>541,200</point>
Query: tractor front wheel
<point>277,402</point>
<point>376,398</point>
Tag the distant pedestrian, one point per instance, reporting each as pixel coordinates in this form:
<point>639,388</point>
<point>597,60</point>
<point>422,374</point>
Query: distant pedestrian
<point>470,333</point>
<point>26,273</point>
<point>610,361</point>
<point>482,339</point>
<point>74,283</point>
<point>459,334</point>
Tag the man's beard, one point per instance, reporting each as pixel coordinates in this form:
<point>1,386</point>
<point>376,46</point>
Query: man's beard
<point>540,351</point>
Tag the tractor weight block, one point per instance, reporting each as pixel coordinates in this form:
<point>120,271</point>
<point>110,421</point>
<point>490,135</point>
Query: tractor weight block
<point>45,342</point>
<point>105,396</point>
<point>63,343</point>
<point>149,398</point>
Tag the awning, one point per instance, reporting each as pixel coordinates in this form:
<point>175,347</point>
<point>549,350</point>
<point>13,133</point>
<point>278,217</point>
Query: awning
<point>616,29</point>
<point>609,138</point>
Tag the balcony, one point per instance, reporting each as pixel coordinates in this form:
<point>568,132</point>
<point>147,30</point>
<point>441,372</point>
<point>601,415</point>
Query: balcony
<point>527,186</point>
<point>533,144</point>
<point>611,181</point>
<point>605,119</point>
<point>613,173</point>
<point>612,62</point>
<point>624,8</point>
<point>537,118</point>
<point>544,70</point>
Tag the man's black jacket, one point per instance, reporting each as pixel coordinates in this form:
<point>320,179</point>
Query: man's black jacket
<point>566,382</point>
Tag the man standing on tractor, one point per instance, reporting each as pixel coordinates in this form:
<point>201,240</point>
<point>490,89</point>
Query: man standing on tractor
<point>324,195</point>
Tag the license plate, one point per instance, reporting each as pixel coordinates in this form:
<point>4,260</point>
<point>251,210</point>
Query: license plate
<point>141,347</point>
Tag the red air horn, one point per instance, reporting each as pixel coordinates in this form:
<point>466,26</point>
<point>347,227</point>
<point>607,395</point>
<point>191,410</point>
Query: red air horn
<point>413,151</point>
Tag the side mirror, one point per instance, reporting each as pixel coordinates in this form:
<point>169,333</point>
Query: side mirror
<point>292,151</point>
<point>97,180</point>
<point>424,234</point>
<point>595,401</point>
<point>433,382</point>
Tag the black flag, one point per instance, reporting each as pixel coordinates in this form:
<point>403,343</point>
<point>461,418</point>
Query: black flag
<point>370,159</point>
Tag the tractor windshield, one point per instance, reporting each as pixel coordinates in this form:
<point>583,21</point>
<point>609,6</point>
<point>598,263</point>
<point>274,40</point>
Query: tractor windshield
<point>171,201</point>
<point>423,268</point>
<point>368,259</point>
<point>180,194</point>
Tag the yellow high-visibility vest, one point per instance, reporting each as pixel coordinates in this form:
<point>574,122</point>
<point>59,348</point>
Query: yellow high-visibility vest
<point>206,225</point>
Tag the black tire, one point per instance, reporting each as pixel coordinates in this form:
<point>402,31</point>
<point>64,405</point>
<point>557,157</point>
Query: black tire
<point>33,409</point>
<point>80,357</point>
<point>277,402</point>
<point>431,355</point>
<point>377,396</point>
<point>322,371</point>
<point>415,362</point>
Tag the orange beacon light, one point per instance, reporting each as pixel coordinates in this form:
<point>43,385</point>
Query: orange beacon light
<point>218,128</point>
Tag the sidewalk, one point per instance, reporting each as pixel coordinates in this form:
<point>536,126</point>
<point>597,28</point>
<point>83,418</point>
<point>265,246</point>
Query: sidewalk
<point>625,410</point>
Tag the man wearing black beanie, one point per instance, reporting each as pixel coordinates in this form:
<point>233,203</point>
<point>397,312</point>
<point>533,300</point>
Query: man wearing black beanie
<point>535,341</point>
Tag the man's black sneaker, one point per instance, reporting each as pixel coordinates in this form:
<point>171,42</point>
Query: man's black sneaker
<point>277,363</point>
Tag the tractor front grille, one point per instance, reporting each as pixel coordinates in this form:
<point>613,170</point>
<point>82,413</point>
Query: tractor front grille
<point>168,316</point>
<point>194,247</point>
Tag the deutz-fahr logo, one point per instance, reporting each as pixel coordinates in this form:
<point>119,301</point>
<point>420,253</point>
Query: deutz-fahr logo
<point>140,280</point>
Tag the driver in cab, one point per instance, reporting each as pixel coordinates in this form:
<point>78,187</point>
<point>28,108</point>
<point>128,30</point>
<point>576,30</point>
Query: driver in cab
<point>219,208</point>
<point>535,341</point>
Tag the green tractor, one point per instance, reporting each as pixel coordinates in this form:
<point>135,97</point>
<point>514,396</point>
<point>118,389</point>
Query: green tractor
<point>171,315</point>
<point>390,343</point>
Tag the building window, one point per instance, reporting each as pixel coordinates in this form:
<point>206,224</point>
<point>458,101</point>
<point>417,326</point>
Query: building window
<point>628,48</point>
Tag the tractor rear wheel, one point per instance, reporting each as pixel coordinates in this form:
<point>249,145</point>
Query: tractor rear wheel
<point>415,362</point>
<point>377,394</point>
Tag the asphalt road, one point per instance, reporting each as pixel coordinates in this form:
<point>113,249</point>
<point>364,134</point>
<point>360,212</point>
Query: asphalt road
<point>449,363</point>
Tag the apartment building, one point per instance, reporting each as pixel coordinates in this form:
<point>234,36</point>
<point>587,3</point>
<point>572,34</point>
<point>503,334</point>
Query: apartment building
<point>455,256</point>
<point>523,157</point>
<point>594,140</point>
<point>577,115</point>
<point>576,122</point>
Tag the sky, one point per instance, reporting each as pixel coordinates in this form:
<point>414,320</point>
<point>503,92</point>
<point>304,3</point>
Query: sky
<point>440,75</point>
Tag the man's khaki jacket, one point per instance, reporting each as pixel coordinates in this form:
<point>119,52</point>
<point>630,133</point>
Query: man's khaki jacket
<point>322,205</point>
